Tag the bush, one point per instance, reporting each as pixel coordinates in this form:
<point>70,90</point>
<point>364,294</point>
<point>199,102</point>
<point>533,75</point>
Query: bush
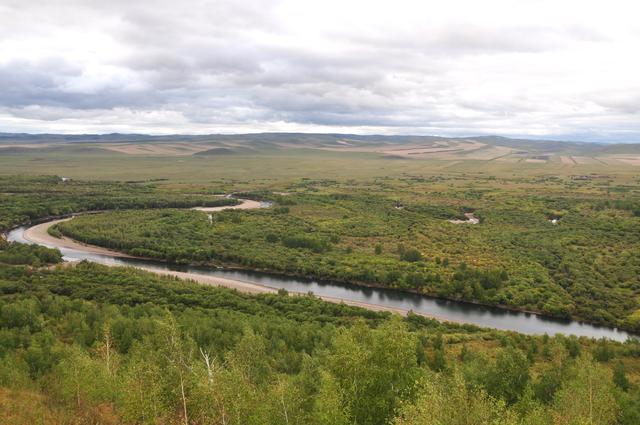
<point>309,242</point>
<point>411,255</point>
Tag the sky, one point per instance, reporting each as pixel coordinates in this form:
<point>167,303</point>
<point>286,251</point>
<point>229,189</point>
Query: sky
<point>529,68</point>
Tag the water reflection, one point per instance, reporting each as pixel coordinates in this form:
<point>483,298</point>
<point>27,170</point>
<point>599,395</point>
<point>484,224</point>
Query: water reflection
<point>444,309</point>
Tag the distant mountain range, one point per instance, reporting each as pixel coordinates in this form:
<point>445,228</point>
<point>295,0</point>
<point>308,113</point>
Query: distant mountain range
<point>487,148</point>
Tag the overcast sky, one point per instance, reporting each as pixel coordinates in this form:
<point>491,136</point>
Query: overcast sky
<point>561,68</point>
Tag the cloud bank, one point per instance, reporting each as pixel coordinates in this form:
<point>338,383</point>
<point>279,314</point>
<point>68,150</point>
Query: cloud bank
<point>528,68</point>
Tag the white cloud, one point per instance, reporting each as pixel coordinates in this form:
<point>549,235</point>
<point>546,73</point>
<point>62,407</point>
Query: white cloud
<point>533,67</point>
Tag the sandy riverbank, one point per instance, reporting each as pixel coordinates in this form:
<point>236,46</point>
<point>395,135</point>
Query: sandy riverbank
<point>39,234</point>
<point>471,219</point>
<point>254,288</point>
<point>246,204</point>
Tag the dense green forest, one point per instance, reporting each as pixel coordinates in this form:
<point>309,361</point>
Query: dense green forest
<point>397,234</point>
<point>33,255</point>
<point>92,344</point>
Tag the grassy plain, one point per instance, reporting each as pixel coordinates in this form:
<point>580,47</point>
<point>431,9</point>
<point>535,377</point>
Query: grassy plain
<point>271,166</point>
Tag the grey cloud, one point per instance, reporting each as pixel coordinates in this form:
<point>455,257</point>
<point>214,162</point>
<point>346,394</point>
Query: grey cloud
<point>237,62</point>
<point>23,83</point>
<point>46,83</point>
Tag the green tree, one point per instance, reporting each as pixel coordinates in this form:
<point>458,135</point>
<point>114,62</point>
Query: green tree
<point>329,406</point>
<point>548,383</point>
<point>509,376</point>
<point>446,400</point>
<point>573,346</point>
<point>376,370</point>
<point>603,351</point>
<point>141,398</point>
<point>250,357</point>
<point>629,407</point>
<point>83,380</point>
<point>178,360</point>
<point>620,376</point>
<point>587,396</point>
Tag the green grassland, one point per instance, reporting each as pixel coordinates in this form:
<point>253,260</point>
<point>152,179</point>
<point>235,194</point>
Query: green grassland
<point>267,161</point>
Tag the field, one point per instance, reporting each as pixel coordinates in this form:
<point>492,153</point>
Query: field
<point>273,159</point>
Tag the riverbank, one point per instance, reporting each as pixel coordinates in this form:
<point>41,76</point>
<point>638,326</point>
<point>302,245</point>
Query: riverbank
<point>254,288</point>
<point>245,204</point>
<point>356,293</point>
<point>372,298</point>
<point>39,234</point>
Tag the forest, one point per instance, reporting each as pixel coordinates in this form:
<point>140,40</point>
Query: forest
<point>24,199</point>
<point>90,344</point>
<point>93,344</point>
<point>398,234</point>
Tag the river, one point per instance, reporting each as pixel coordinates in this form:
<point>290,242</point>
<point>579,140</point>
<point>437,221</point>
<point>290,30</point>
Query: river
<point>453,311</point>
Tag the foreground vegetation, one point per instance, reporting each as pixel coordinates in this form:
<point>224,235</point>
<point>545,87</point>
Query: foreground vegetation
<point>396,233</point>
<point>91,344</point>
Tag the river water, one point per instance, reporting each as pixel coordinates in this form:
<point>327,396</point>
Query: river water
<point>454,311</point>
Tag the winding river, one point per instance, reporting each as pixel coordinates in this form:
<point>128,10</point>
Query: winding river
<point>372,298</point>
